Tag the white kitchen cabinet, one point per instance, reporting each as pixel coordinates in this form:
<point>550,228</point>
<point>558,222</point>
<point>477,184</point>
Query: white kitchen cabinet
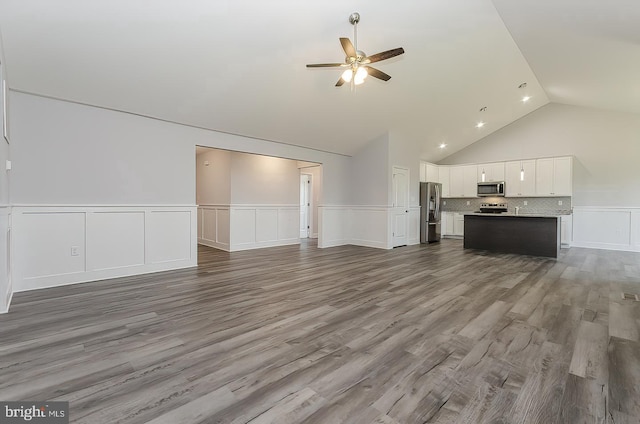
<point>520,178</point>
<point>444,179</point>
<point>463,181</point>
<point>544,177</point>
<point>566,230</point>
<point>432,173</point>
<point>428,172</point>
<point>492,172</point>
<point>452,224</point>
<point>554,176</point>
<point>458,224</point>
<point>446,224</point>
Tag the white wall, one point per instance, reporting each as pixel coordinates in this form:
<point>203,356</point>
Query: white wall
<point>605,144</point>
<point>213,181</point>
<point>65,153</point>
<point>370,180</point>
<point>404,153</point>
<point>265,180</point>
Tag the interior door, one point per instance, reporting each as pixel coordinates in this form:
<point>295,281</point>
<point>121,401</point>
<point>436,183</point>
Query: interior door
<point>400,208</point>
<point>305,184</point>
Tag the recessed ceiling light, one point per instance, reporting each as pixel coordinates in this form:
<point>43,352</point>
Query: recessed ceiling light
<point>525,99</point>
<point>443,145</point>
<point>480,124</point>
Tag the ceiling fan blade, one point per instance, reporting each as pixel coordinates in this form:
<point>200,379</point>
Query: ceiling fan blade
<point>348,48</point>
<point>376,73</point>
<point>326,65</point>
<point>384,55</point>
<point>340,82</point>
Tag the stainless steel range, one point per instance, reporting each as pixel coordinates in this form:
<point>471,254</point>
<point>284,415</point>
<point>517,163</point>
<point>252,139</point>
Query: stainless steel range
<point>493,207</point>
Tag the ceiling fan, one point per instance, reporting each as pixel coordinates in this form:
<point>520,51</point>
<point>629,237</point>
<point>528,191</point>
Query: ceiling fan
<point>357,62</point>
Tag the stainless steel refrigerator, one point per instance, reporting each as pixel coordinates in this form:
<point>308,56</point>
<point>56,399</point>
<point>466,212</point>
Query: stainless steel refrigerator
<point>430,206</point>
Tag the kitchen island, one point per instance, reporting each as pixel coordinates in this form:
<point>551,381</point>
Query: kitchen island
<point>536,235</point>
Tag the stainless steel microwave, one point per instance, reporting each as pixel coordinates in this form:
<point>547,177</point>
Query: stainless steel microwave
<point>491,189</point>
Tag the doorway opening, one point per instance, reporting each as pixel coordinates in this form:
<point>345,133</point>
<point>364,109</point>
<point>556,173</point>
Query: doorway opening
<point>248,201</point>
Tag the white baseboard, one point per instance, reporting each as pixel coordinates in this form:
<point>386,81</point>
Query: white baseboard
<point>95,276</point>
<point>7,303</point>
<point>262,245</point>
<point>215,245</point>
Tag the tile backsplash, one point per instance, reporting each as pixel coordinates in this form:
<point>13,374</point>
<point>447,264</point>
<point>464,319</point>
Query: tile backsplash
<point>534,204</point>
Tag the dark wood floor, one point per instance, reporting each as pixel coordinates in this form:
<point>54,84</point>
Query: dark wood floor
<point>294,334</point>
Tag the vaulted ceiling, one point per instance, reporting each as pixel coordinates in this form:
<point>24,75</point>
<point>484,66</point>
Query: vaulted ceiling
<point>238,66</point>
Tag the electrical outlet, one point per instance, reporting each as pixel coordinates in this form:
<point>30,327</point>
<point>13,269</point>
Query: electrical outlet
<point>75,251</point>
<point>468,203</point>
<point>559,202</point>
<point>444,203</point>
<point>525,203</point>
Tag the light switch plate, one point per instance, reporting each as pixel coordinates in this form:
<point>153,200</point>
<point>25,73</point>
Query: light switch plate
<point>525,203</point>
<point>559,202</point>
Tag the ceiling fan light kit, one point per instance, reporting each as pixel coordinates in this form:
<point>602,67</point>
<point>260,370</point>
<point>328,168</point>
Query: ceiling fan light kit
<point>356,61</point>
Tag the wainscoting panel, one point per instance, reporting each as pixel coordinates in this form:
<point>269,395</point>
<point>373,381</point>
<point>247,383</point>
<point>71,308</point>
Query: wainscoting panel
<point>414,225</point>
<point>214,226</point>
<point>6,289</point>
<point>243,228</point>
<point>209,224</point>
<point>289,224</point>
<point>359,225</point>
<point>333,226</point>
<point>266,225</point>
<point>606,228</point>
<point>168,236</point>
<point>50,250</point>
<point>635,230</point>
<point>52,245</point>
<point>369,226</point>
<point>106,248</point>
<point>223,228</point>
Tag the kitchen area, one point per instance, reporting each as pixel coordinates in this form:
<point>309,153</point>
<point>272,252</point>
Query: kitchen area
<point>489,193</point>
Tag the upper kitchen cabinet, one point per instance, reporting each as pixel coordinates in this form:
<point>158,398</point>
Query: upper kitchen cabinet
<point>463,181</point>
<point>429,172</point>
<point>554,176</point>
<point>490,172</point>
<point>444,179</point>
<point>520,178</point>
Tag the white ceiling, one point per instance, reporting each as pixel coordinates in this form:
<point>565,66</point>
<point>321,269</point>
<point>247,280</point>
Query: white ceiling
<point>238,66</point>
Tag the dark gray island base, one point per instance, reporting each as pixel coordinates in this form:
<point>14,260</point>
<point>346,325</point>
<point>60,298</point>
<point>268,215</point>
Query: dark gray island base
<point>522,234</point>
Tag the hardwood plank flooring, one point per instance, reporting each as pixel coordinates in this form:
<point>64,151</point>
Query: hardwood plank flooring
<point>296,334</point>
